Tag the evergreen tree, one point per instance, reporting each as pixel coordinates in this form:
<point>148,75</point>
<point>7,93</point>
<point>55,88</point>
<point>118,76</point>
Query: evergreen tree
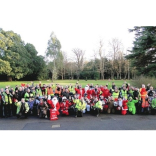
<point>143,54</point>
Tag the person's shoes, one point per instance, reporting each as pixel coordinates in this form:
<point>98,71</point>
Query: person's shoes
<point>97,115</point>
<point>46,116</point>
<point>75,116</point>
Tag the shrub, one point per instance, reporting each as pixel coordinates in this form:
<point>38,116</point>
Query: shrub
<point>138,81</point>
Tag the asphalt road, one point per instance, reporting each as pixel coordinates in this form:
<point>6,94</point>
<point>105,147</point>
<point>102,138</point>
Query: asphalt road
<point>87,122</point>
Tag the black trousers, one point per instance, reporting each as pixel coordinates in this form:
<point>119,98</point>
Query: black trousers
<point>1,110</point>
<point>97,111</point>
<point>14,108</point>
<point>145,110</point>
<point>138,107</point>
<point>153,111</point>
<point>22,114</point>
<point>77,112</point>
<point>8,110</point>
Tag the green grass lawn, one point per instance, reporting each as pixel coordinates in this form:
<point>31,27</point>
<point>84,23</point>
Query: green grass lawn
<point>66,82</point>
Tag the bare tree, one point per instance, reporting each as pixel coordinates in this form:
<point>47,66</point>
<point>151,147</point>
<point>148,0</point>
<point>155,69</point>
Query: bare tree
<point>79,58</point>
<point>119,64</point>
<point>101,55</point>
<point>116,46</point>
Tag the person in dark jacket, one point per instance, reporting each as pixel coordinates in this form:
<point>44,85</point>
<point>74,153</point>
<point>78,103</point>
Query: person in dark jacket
<point>20,94</point>
<point>150,94</point>
<point>8,103</point>
<point>2,101</point>
<point>66,93</point>
<point>136,95</point>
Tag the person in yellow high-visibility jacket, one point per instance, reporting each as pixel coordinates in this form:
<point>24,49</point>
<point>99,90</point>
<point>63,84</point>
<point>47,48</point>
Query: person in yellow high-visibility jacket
<point>80,107</point>
<point>97,106</point>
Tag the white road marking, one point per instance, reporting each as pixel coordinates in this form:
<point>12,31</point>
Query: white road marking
<point>55,126</point>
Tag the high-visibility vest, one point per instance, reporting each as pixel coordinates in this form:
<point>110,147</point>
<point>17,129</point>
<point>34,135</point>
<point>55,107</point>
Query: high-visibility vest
<point>115,95</point>
<point>80,105</point>
<point>38,91</point>
<point>124,93</point>
<point>50,91</point>
<point>98,105</point>
<point>18,104</point>
<point>27,96</point>
<point>6,99</point>
<point>145,103</point>
<point>143,92</point>
<point>72,90</point>
<point>58,92</point>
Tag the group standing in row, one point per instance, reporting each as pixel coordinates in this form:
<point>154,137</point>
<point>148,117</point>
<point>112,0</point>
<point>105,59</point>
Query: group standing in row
<point>51,100</point>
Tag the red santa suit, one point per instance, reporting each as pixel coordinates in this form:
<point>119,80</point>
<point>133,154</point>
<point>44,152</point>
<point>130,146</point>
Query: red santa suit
<point>96,93</point>
<point>64,105</point>
<point>105,92</point>
<point>80,91</point>
<point>86,88</point>
<point>105,105</point>
<point>55,105</point>
<point>124,107</point>
<point>49,101</point>
<point>88,91</point>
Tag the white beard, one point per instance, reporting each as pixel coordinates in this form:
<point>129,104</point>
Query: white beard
<point>55,102</point>
<point>86,88</point>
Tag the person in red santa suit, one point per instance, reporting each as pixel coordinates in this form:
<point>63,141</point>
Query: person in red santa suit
<point>79,90</point>
<point>49,101</point>
<point>96,92</point>
<point>86,88</point>
<point>64,106</point>
<point>105,92</point>
<point>55,105</point>
<point>124,107</point>
<point>88,91</point>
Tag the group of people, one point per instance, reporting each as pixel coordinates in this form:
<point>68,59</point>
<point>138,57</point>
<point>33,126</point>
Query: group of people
<point>49,101</point>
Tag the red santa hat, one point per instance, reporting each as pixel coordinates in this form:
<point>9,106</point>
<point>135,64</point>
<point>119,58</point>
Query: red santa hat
<point>116,99</point>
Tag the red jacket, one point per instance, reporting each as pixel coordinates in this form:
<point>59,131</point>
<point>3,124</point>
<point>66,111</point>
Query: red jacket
<point>89,94</point>
<point>80,92</point>
<point>52,106</point>
<point>105,92</point>
<point>64,105</point>
<point>96,93</point>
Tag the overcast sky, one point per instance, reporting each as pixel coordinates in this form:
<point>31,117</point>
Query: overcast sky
<point>76,23</point>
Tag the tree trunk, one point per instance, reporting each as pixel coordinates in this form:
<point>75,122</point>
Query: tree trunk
<point>78,76</point>
<point>128,75</point>
<point>102,75</point>
<point>64,72</point>
<point>125,76</point>
<point>9,78</point>
<point>117,75</point>
<point>120,75</point>
<point>112,75</point>
<point>52,77</point>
